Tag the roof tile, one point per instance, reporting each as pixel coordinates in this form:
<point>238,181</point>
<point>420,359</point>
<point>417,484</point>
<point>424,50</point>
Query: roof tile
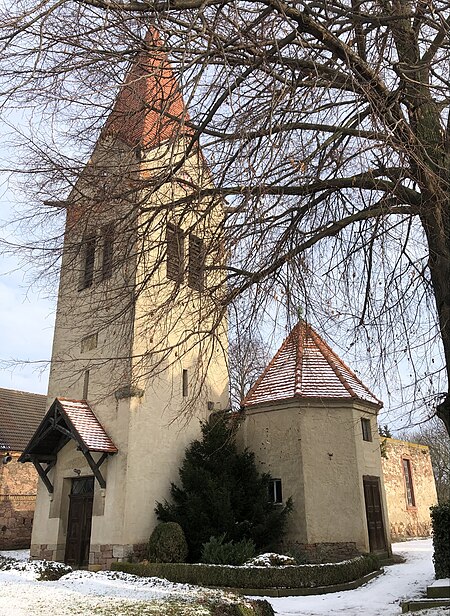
<point>87,425</point>
<point>149,109</point>
<point>306,367</point>
<point>20,414</point>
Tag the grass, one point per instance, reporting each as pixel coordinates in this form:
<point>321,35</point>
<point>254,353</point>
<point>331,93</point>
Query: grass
<point>151,608</point>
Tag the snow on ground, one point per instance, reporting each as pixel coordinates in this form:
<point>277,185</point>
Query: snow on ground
<point>114,594</point>
<point>379,597</point>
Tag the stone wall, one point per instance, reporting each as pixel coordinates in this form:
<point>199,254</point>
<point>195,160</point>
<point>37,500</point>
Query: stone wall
<point>408,520</point>
<point>18,484</point>
<point>322,552</point>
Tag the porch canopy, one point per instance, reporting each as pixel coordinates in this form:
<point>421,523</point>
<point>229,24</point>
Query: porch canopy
<point>68,420</point>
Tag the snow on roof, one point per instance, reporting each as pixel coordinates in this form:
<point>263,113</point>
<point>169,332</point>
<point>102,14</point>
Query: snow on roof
<point>306,367</point>
<point>149,109</point>
<point>87,425</point>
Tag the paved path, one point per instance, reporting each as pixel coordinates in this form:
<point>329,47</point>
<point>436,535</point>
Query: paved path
<point>380,597</point>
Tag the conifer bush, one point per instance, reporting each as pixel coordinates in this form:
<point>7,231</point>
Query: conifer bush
<point>167,544</point>
<point>217,551</point>
<point>221,492</point>
<point>440,519</point>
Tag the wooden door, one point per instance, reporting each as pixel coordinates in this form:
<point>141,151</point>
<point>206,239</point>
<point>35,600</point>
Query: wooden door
<point>374,512</point>
<point>79,522</point>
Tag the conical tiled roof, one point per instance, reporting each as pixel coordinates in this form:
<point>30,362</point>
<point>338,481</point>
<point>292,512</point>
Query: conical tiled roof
<point>306,367</point>
<point>149,109</point>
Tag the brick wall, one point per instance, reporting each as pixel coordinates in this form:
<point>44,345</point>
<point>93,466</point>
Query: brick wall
<point>406,520</point>
<point>18,484</point>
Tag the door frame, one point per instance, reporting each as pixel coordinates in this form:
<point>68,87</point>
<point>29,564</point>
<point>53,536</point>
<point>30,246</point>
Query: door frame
<point>79,502</point>
<point>374,480</point>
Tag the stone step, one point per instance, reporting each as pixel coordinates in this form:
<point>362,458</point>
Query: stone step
<point>440,589</point>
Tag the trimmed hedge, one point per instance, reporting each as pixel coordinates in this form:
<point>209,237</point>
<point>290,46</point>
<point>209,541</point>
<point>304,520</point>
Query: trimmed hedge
<point>440,519</point>
<point>301,576</point>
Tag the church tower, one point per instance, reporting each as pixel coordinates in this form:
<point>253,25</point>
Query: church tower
<point>140,337</point>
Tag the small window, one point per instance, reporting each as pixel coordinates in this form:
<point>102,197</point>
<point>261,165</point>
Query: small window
<point>86,385</point>
<point>275,491</point>
<point>88,343</point>
<point>107,254</point>
<point>410,498</point>
<point>88,261</point>
<point>196,262</point>
<point>82,485</point>
<point>185,385</point>
<point>366,429</point>
<point>175,253</point>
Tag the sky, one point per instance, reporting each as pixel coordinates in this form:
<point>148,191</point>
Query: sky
<point>26,319</point>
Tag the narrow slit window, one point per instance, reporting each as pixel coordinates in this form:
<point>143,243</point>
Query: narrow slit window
<point>410,498</point>
<point>88,262</point>
<point>366,429</point>
<point>108,251</point>
<point>275,491</point>
<point>196,267</point>
<point>86,385</point>
<point>185,384</point>
<point>175,253</point>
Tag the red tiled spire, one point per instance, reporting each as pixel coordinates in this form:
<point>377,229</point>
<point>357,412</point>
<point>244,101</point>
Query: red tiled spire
<point>149,109</point>
<point>306,367</point>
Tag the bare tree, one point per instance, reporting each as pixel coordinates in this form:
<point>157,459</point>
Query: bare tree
<point>325,127</point>
<point>248,358</point>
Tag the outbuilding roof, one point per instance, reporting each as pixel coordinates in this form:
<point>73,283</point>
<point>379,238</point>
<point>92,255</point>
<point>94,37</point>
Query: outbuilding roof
<point>306,367</point>
<point>20,414</point>
<point>149,109</point>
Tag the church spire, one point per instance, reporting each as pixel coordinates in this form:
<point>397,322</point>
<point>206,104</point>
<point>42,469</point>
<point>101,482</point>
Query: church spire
<point>149,109</point>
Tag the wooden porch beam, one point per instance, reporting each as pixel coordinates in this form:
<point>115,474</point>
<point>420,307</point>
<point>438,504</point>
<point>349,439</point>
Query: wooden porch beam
<point>95,468</point>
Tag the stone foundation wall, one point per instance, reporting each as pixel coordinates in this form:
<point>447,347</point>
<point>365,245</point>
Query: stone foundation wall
<point>322,552</point>
<point>44,551</point>
<point>16,521</point>
<point>100,556</point>
<point>18,485</point>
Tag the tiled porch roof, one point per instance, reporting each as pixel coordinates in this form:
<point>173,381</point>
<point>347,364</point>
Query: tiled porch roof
<point>65,420</point>
<point>87,425</point>
<point>306,367</point>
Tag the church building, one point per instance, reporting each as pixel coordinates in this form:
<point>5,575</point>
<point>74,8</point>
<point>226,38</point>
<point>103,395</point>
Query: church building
<point>139,357</point>
<point>134,366</point>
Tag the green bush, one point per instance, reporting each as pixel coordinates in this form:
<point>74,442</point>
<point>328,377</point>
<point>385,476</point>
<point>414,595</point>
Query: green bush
<point>440,518</point>
<point>222,491</point>
<point>216,552</point>
<point>302,576</point>
<point>167,544</point>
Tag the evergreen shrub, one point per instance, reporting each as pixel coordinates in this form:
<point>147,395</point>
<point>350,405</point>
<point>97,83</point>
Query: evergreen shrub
<point>301,576</point>
<point>440,519</point>
<point>218,552</point>
<point>222,491</point>
<point>167,544</point>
